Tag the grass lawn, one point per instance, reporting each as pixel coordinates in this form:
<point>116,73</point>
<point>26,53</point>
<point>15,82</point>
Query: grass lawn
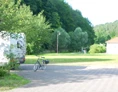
<point>11,81</point>
<point>76,58</point>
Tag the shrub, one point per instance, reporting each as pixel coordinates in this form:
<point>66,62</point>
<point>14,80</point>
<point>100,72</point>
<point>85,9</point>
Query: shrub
<point>5,69</point>
<point>97,48</point>
<point>3,72</point>
<point>13,63</point>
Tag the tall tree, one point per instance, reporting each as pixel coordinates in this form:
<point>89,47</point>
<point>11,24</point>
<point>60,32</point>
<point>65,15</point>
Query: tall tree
<point>79,39</point>
<point>106,31</point>
<point>15,17</point>
<point>61,14</point>
<point>61,38</point>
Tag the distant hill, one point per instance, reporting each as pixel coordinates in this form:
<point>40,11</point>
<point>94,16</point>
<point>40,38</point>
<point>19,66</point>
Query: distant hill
<point>106,31</point>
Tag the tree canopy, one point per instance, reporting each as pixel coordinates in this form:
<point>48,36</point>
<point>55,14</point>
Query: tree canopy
<point>61,14</point>
<point>79,39</point>
<point>63,39</point>
<point>106,31</point>
<point>40,20</point>
<point>15,17</point>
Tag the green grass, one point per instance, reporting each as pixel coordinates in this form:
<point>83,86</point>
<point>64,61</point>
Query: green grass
<point>80,59</point>
<point>11,81</point>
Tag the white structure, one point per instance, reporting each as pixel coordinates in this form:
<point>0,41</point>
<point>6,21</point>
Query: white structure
<point>12,43</point>
<point>112,46</point>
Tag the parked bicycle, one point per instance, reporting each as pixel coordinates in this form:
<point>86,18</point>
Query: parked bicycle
<point>41,63</point>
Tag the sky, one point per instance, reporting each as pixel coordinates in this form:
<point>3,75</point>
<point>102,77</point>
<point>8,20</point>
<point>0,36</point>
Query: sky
<point>97,11</point>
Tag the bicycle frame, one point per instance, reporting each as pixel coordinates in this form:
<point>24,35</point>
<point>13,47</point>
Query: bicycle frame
<point>40,65</point>
<point>38,61</point>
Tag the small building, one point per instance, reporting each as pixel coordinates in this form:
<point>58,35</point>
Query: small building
<point>112,46</point>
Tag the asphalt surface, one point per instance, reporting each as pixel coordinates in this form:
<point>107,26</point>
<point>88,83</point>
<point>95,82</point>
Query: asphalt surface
<point>58,78</point>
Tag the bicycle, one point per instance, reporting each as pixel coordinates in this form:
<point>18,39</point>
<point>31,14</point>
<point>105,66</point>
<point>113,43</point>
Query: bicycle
<point>39,64</point>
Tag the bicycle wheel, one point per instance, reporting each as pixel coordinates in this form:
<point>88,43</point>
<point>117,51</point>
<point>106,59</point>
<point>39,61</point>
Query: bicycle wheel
<point>36,65</point>
<point>43,67</point>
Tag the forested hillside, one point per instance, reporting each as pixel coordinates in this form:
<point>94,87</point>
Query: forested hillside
<point>60,14</point>
<point>43,20</point>
<point>106,31</point>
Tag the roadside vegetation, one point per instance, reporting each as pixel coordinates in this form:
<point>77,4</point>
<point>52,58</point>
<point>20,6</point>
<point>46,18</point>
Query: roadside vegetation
<point>10,81</point>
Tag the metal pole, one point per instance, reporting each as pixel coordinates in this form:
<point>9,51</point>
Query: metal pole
<point>58,33</point>
<point>57,42</point>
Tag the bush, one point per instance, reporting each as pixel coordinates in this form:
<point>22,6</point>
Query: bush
<point>5,69</point>
<point>13,63</point>
<point>3,72</point>
<point>30,48</point>
<point>97,48</point>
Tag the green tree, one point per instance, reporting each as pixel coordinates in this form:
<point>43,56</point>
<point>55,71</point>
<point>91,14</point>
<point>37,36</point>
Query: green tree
<point>60,14</point>
<point>63,39</point>
<point>55,20</point>
<point>106,31</point>
<point>84,40</point>
<point>79,39</point>
<point>15,17</point>
<point>72,45</point>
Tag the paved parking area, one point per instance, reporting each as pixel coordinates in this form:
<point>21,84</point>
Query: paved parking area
<point>58,78</point>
